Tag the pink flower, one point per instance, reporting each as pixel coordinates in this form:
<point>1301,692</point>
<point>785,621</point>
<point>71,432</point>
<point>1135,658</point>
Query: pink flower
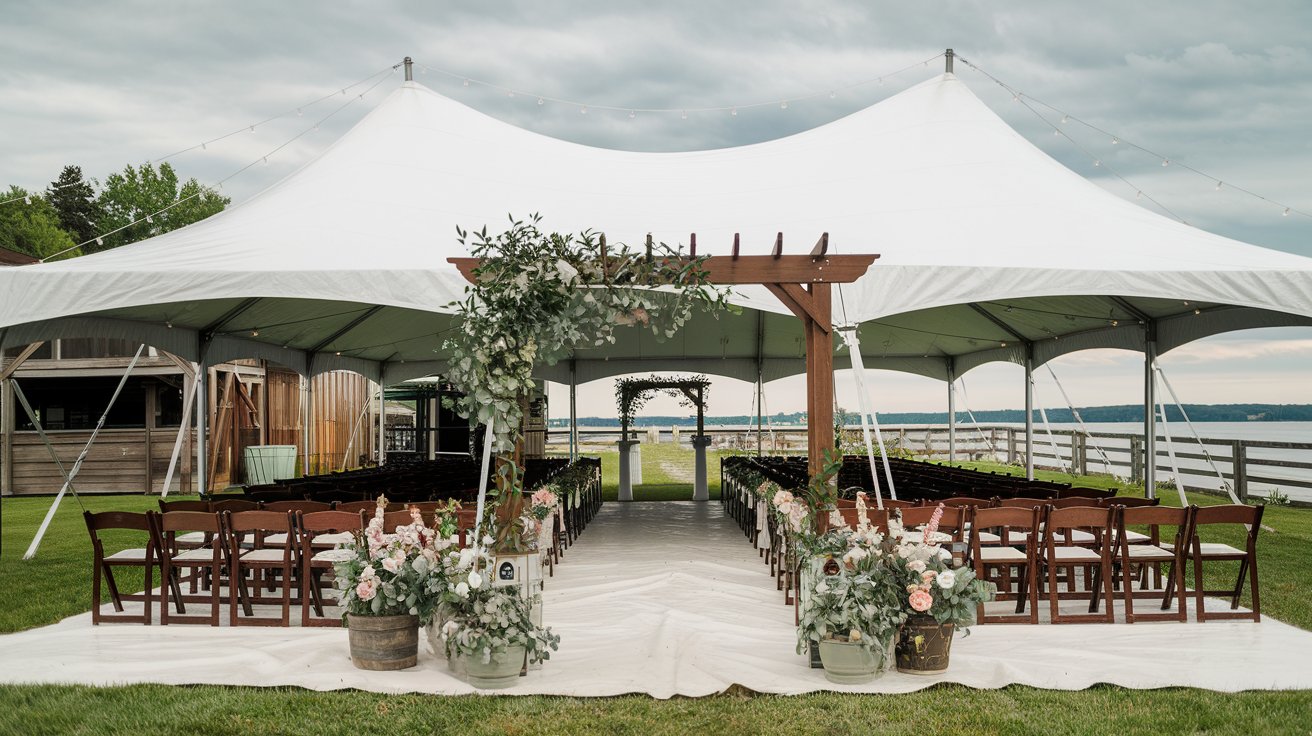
<point>391,564</point>
<point>367,589</point>
<point>933,523</point>
<point>920,601</point>
<point>927,577</point>
<point>544,497</point>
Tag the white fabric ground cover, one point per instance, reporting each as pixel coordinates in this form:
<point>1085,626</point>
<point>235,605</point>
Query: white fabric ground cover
<point>669,599</point>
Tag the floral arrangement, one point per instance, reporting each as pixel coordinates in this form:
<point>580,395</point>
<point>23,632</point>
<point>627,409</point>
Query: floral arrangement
<point>543,502</point>
<point>934,584</point>
<point>870,582</point>
<point>483,619</point>
<point>392,573</point>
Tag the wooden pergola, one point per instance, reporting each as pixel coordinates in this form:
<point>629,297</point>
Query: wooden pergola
<point>803,283</point>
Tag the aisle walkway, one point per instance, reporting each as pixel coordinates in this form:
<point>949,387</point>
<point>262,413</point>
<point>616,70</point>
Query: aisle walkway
<point>665,599</point>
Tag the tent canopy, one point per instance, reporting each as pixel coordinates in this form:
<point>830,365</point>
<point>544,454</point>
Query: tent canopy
<point>989,248</point>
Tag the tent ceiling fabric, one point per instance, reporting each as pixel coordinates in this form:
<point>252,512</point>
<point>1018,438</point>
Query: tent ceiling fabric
<point>984,240</point>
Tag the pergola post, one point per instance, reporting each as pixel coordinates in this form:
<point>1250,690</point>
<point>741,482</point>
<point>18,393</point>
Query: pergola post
<point>1149,410</point>
<point>626,464</point>
<point>1029,413</point>
<point>382,423</point>
<point>819,379</point>
<point>699,444</point>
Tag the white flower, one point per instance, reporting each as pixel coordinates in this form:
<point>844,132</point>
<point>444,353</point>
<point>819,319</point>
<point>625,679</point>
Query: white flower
<point>462,589</point>
<point>475,580</point>
<point>822,587</point>
<point>947,579</point>
<point>367,573</point>
<point>391,564</point>
<point>488,540</point>
<point>916,566</point>
<point>466,557</point>
<point>450,628</point>
<point>855,555</point>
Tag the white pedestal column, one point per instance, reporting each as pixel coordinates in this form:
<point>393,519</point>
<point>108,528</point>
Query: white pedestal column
<point>626,479</point>
<point>635,462</point>
<point>699,444</point>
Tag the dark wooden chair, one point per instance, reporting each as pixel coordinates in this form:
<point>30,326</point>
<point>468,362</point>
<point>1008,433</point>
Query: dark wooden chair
<point>1203,552</point>
<point>1093,558</point>
<point>1007,554</point>
<point>952,523</point>
<point>302,506</point>
<point>1150,556</point>
<point>103,565</point>
<point>281,559</point>
<point>174,558</point>
<point>967,501</point>
<point>315,560</point>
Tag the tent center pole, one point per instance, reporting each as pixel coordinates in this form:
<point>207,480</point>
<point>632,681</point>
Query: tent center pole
<point>1149,411</point>
<point>1029,413</point>
<point>952,411</point>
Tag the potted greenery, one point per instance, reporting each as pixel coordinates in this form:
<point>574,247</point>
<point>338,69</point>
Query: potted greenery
<point>489,627</point>
<point>941,596</point>
<point>852,605</point>
<point>387,590</point>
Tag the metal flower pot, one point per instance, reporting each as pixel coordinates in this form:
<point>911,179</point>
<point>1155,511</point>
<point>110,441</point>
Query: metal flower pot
<point>501,671</point>
<point>849,663</point>
<point>923,646</point>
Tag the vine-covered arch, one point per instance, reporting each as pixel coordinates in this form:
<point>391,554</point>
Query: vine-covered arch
<point>631,394</point>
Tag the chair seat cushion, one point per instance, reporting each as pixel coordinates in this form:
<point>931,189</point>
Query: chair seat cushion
<point>191,538</point>
<point>279,538</point>
<point>1149,552</point>
<point>989,538</point>
<point>1134,537</point>
<point>333,555</point>
<point>195,555</point>
<point>1213,549</point>
<point>263,555</point>
<point>329,540</point>
<point>126,555</point>
<point>1001,554</point>
<point>1074,554</point>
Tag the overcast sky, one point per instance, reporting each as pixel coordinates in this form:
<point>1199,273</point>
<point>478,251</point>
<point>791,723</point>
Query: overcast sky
<point>1224,87</point>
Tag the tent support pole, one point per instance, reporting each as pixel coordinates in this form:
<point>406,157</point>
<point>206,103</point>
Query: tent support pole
<point>189,398</point>
<point>202,415</point>
<point>382,424</point>
<point>1149,410</point>
<point>760,375</point>
<point>1029,413</point>
<point>573,412</point>
<point>952,410</point>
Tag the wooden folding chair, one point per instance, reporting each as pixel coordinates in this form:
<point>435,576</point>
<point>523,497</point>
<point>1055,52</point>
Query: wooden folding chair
<point>952,523</point>
<point>312,528</point>
<point>103,565</point>
<point>1008,553</point>
<point>168,528</point>
<point>1201,552</point>
<point>968,502</point>
<point>259,558</point>
<point>1150,556</point>
<point>1094,558</point>
<point>234,505</point>
<point>306,507</point>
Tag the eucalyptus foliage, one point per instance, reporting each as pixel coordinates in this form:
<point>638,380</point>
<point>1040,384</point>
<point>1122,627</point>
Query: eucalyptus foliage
<point>631,394</point>
<point>538,295</point>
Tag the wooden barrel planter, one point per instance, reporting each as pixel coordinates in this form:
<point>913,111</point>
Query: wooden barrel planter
<point>923,646</point>
<point>384,642</point>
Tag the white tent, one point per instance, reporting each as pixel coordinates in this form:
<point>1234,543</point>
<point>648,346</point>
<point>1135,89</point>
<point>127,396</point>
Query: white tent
<point>990,250</point>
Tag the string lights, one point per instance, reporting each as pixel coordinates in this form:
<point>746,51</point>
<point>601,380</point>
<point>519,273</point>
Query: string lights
<point>1165,160</point>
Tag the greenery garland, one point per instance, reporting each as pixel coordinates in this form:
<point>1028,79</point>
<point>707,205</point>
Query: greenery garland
<point>631,394</point>
<point>538,295</point>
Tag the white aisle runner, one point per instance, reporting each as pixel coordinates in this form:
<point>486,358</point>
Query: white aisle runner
<point>669,599</point>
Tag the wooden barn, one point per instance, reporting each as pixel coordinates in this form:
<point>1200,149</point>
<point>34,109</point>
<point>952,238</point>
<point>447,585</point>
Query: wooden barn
<point>69,382</point>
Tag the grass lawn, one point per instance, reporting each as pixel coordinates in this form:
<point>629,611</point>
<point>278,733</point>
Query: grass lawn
<point>56,585</point>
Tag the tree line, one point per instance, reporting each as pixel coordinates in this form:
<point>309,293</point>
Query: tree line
<point>72,215</point>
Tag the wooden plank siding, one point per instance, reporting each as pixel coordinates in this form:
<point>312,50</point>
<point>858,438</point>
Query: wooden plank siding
<point>116,463</point>
<point>338,434</point>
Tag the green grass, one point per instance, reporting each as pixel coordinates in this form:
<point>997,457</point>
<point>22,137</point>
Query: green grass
<point>56,584</point>
<point>152,709</point>
<point>661,463</point>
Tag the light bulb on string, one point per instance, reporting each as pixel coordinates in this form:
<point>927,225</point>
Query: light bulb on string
<point>1097,162</point>
<point>1065,119</point>
<point>1138,195</point>
<point>298,112</point>
<point>684,114</point>
<point>255,333</point>
<point>510,94</point>
<point>1115,140</point>
<point>1197,310</point>
<point>265,160</point>
<point>583,110</point>
<point>1285,213</point>
<point>149,218</point>
<point>27,199</point>
<point>1003,343</point>
<point>632,114</point>
<point>783,105</point>
<point>1218,185</point>
<point>252,129</point>
<point>202,146</point>
<point>541,101</point>
<point>1166,162</point>
<point>466,82</point>
<point>832,94</point>
<point>100,241</point>
<point>734,112</point>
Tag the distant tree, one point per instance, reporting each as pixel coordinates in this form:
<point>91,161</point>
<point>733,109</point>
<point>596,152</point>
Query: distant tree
<point>32,227</point>
<point>74,198</point>
<point>140,191</point>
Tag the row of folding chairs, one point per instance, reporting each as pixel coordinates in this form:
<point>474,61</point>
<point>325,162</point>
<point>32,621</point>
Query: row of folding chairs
<point>1077,549</point>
